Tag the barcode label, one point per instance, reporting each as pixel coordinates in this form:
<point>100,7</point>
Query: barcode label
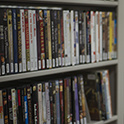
<point>88,58</point>
<point>66,60</point>
<point>81,59</point>
<point>47,63</point>
<point>20,67</point>
<point>11,67</point>
<point>39,64</point>
<point>97,58</point>
<point>69,63</point>
<point>60,61</point>
<point>32,66</point>
<point>77,122</point>
<point>57,64</point>
<point>53,63</point>
<point>35,65</point>
<point>7,68</point>
<point>93,58</point>
<point>104,56</point>
<point>82,121</point>
<point>115,55</point>
<point>63,61</point>
<point>24,67</point>
<point>43,63</point>
<point>112,54</point>
<point>3,69</point>
<point>84,59</point>
<point>50,62</point>
<point>16,67</point>
<point>85,120</point>
<point>109,55</point>
<point>100,56</point>
<point>75,60</point>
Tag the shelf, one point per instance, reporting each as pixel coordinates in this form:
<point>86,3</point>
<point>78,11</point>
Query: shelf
<point>83,2</point>
<point>114,118</point>
<point>96,122</point>
<point>56,70</point>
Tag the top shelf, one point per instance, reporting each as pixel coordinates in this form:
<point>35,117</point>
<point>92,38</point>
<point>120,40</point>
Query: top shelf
<point>78,2</point>
<point>56,71</point>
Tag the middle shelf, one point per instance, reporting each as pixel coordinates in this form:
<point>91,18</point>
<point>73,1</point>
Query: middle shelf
<point>56,70</point>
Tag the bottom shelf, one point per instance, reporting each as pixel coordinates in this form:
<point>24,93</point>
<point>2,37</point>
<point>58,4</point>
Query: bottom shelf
<point>114,118</point>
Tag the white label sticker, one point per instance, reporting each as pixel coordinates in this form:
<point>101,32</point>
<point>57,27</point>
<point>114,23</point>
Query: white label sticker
<point>16,67</point>
<point>35,65</point>
<point>28,66</point>
<point>115,55</point>
<point>81,59</point>
<point>100,56</point>
<point>3,69</point>
<point>7,68</point>
<point>88,58</point>
<point>39,64</point>
<point>20,67</point>
<point>63,61</point>
<point>73,61</point>
<point>77,122</point>
<point>69,63</point>
<point>53,63</point>
<point>43,61</point>
<point>97,57</point>
<point>47,63</point>
<point>85,120</point>
<point>106,56</point>
<point>60,61</point>
<point>82,121</point>
<point>57,63</point>
<point>77,62</point>
<point>109,55</point>
<point>84,59</point>
<point>103,56</point>
<point>24,67</point>
<point>11,67</point>
<point>32,66</point>
<point>66,60</point>
<point>50,62</point>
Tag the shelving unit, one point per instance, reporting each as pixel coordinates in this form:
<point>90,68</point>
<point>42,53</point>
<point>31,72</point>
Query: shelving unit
<point>118,64</point>
<point>120,69</point>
